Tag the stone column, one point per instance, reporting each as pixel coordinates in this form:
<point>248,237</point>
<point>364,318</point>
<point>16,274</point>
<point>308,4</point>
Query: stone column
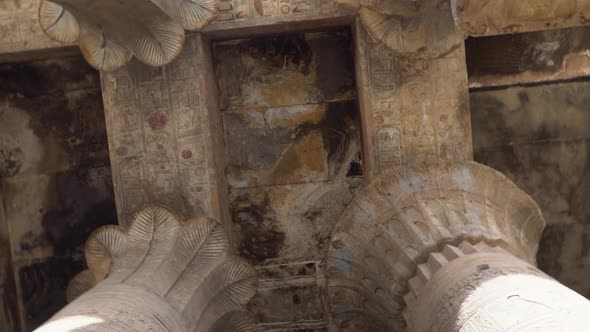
<point>481,288</point>
<point>159,274</point>
<point>165,136</point>
<point>448,247</point>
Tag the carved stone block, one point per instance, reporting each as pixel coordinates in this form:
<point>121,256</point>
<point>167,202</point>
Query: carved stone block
<point>493,17</point>
<point>165,135</point>
<point>413,110</point>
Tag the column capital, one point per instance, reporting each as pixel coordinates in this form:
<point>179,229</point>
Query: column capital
<point>410,28</point>
<point>396,222</point>
<point>111,32</point>
<point>159,274</point>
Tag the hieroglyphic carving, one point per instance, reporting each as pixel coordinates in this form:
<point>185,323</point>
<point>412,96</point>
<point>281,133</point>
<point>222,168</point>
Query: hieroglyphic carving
<point>493,17</point>
<point>240,10</point>
<point>159,274</point>
<point>415,110</point>
<point>159,135</point>
<point>19,27</point>
<point>404,215</point>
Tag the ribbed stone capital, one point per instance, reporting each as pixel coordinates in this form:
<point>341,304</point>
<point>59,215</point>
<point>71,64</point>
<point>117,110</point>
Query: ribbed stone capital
<point>411,28</point>
<point>111,32</point>
<point>394,225</point>
<point>159,274</point>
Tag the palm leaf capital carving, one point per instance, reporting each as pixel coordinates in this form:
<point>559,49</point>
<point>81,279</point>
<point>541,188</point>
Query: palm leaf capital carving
<point>173,275</point>
<point>410,28</point>
<point>111,32</point>
<point>393,225</point>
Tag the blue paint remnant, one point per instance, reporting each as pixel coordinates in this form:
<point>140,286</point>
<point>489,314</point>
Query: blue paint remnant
<point>360,215</point>
<point>463,177</point>
<point>342,259</point>
<point>369,209</point>
<point>411,183</point>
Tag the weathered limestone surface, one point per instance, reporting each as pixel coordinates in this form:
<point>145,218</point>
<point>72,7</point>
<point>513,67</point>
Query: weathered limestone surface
<point>404,215</point>
<point>20,31</point>
<point>296,94</point>
<point>494,17</point>
<point>410,28</point>
<point>413,110</point>
<point>55,178</point>
<point>538,137</point>
<point>475,288</point>
<point>21,36</point>
<point>531,57</point>
<point>165,136</point>
<point>245,18</point>
<point>159,274</point>
<point>9,310</point>
<point>292,143</point>
<point>287,297</point>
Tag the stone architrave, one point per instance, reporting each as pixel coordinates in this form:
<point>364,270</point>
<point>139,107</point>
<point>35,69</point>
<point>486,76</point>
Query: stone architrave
<point>497,17</point>
<point>159,274</point>
<point>165,137</point>
<point>525,58</point>
<point>20,31</point>
<point>448,247</point>
<point>414,110</point>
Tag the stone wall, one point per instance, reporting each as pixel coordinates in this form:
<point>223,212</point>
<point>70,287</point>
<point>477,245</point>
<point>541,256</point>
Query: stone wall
<point>539,137</point>
<point>293,162</point>
<point>55,183</point>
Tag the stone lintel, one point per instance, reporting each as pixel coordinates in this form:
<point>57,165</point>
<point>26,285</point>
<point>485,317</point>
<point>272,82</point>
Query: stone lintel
<point>413,110</point>
<point>165,136</point>
<point>528,58</point>
<point>273,25</point>
<point>22,39</point>
<point>497,17</point>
